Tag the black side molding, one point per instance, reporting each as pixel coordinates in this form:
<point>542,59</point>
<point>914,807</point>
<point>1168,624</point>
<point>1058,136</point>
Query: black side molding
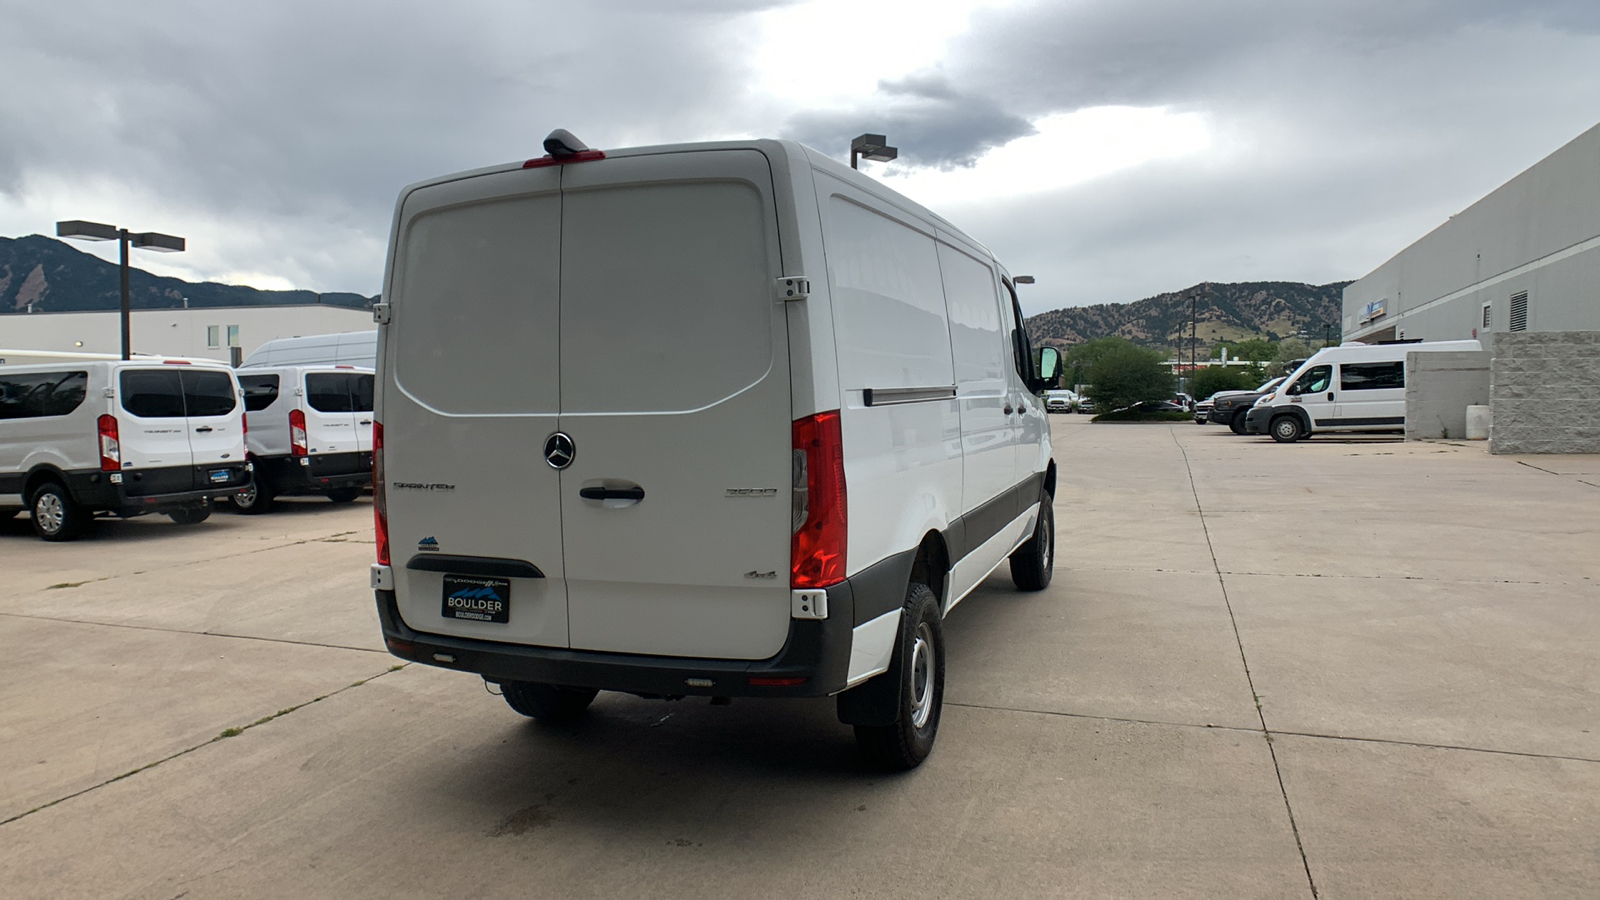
<point>474,565</point>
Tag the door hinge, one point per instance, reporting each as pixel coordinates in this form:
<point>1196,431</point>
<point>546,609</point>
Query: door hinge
<point>793,287</point>
<point>382,313</point>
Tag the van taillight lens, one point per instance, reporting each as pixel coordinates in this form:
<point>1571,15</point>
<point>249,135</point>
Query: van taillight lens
<point>817,551</point>
<point>297,433</point>
<point>110,447</point>
<point>380,503</point>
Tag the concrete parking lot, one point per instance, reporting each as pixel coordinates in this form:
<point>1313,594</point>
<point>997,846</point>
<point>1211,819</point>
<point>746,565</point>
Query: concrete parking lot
<point>1341,668</point>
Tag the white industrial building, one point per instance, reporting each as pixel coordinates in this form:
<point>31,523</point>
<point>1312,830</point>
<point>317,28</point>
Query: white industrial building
<point>1520,271</point>
<point>209,332</point>
<point>1524,258</point>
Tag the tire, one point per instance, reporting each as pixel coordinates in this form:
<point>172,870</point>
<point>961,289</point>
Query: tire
<point>256,499</point>
<point>1286,429</point>
<point>189,515</point>
<point>56,517</point>
<point>1034,562</point>
<point>344,495</point>
<point>918,666</point>
<point>548,703</point>
<point>1236,424</point>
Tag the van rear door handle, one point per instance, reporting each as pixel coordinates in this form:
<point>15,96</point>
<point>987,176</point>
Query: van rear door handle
<point>203,428</point>
<point>366,421</point>
<point>596,493</point>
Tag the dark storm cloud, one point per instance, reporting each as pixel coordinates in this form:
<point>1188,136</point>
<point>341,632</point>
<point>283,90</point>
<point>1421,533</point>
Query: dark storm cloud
<point>935,124</point>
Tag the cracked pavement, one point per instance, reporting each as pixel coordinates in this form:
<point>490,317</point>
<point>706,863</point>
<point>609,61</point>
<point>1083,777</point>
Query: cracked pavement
<point>1340,668</point>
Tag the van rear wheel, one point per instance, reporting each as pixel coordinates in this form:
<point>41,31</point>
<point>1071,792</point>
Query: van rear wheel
<point>1034,562</point>
<point>548,702</point>
<point>918,667</point>
<point>55,516</point>
<point>257,497</point>
<point>1286,429</point>
<point>190,515</point>
<point>344,495</point>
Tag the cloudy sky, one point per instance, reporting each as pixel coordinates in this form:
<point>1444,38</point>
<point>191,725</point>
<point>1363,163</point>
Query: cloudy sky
<point>1112,148</point>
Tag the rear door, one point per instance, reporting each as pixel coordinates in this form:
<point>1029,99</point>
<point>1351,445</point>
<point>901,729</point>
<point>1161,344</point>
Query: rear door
<point>674,389</point>
<point>216,421</point>
<point>330,413</point>
<point>153,431</point>
<point>361,404</point>
<point>471,366</point>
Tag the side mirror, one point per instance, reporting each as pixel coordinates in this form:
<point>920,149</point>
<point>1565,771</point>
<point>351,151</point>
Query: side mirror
<point>1049,369</point>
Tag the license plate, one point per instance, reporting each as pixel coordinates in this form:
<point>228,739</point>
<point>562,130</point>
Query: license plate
<point>477,599</point>
<point>221,476</point>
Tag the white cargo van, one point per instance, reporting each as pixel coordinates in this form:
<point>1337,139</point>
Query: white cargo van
<point>712,419</point>
<point>347,348</point>
<point>1352,387</point>
<point>310,433</point>
<point>123,437</point>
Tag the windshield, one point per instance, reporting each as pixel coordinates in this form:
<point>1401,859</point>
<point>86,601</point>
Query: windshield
<point>1271,384</point>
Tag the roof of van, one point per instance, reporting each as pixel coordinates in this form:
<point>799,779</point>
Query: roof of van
<point>1355,352</point>
<point>796,152</point>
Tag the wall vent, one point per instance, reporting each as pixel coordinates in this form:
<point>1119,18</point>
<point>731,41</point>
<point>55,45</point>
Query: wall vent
<point>1487,320</point>
<point>1519,311</point>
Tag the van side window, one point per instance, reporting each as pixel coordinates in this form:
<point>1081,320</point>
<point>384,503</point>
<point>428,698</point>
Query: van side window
<point>361,393</point>
<point>41,394</point>
<point>1372,376</point>
<point>1314,381</point>
<point>260,391</point>
<point>207,393</point>
<point>152,393</point>
<point>1021,350</point>
<point>328,391</point>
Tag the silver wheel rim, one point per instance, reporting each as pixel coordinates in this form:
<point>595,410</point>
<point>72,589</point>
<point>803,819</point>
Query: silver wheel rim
<point>248,498</point>
<point>922,668</point>
<point>1286,429</point>
<point>1048,549</point>
<point>50,512</point>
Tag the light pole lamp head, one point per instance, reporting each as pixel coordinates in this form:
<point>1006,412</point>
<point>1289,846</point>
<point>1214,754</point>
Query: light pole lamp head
<point>1022,279</point>
<point>152,240</point>
<point>86,231</point>
<point>874,147</point>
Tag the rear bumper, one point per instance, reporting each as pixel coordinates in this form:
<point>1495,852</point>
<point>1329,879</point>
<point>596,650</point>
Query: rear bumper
<point>97,491</point>
<point>316,474</point>
<point>817,650</point>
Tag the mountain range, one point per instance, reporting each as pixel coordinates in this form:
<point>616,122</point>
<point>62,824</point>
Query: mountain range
<point>1223,313</point>
<point>53,276</point>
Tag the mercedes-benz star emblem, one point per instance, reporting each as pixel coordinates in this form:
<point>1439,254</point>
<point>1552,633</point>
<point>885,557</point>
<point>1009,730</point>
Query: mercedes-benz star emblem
<point>559,451</point>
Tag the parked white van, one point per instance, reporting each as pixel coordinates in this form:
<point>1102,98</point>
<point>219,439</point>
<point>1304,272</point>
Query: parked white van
<point>123,437</point>
<point>347,348</point>
<point>1352,387</point>
<point>310,433</point>
<point>718,419</point>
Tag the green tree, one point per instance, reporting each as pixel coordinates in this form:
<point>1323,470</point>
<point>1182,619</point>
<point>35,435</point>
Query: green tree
<point>1289,349</point>
<point>1255,349</point>
<point>1211,379</point>
<point>1078,361</point>
<point>1125,374</point>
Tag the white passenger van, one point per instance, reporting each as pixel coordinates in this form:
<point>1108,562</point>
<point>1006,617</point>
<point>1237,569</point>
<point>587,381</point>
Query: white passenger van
<point>348,348</point>
<point>718,419</point>
<point>310,433</point>
<point>1352,387</point>
<point>124,437</point>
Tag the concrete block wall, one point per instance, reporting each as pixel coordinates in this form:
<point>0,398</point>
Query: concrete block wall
<point>1439,388</point>
<point>1545,392</point>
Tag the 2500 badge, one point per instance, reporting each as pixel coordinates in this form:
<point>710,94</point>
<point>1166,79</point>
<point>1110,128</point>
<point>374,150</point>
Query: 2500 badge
<point>477,599</point>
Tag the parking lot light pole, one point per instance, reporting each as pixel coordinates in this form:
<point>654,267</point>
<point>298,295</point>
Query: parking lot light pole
<point>148,240</point>
<point>872,146</point>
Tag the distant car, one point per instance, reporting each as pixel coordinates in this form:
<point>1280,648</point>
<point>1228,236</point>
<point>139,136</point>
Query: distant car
<point>1230,407</point>
<point>1183,400</point>
<point>1084,405</point>
<point>1059,401</point>
<point>1201,411</point>
<point>1160,406</point>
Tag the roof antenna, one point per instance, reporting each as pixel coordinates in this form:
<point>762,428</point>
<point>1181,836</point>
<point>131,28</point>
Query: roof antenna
<point>562,142</point>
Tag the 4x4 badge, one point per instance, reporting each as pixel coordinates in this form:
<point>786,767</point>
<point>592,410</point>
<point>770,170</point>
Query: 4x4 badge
<point>559,451</point>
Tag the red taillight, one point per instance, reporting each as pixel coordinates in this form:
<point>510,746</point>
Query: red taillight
<point>817,551</point>
<point>110,447</point>
<point>244,424</point>
<point>297,433</point>
<point>380,505</point>
<point>580,156</point>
